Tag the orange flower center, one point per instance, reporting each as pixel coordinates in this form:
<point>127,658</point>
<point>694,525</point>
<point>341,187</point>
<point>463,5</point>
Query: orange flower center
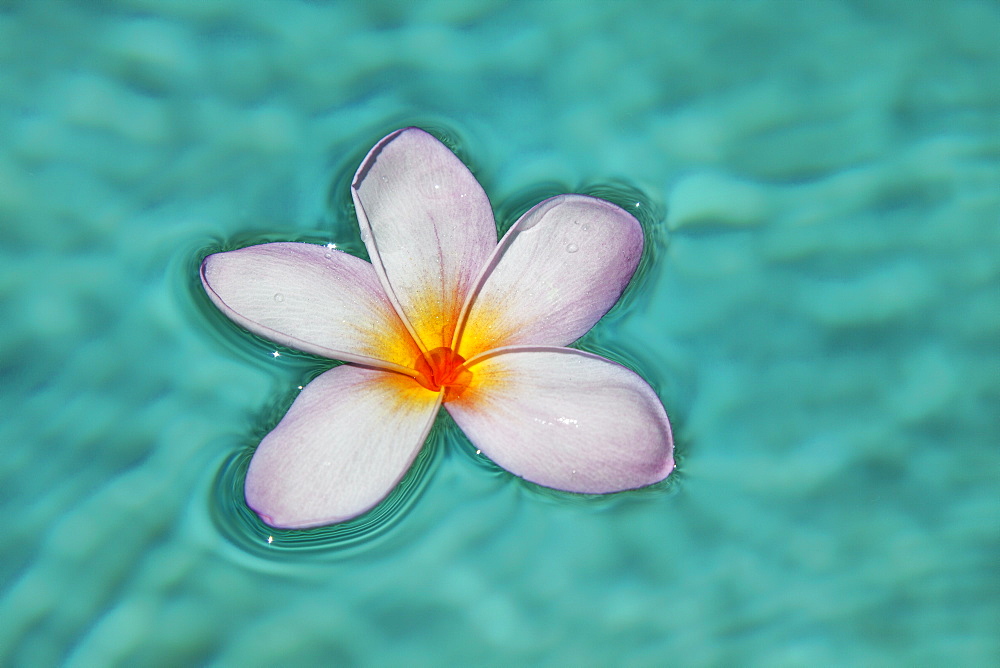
<point>442,368</point>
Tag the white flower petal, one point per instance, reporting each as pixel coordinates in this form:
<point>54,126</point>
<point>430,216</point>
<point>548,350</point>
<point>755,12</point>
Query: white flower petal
<point>344,444</point>
<point>311,298</point>
<point>566,419</point>
<point>428,226</point>
<point>559,268</point>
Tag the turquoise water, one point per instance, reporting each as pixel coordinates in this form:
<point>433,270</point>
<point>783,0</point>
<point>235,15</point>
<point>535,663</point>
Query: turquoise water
<point>819,310</point>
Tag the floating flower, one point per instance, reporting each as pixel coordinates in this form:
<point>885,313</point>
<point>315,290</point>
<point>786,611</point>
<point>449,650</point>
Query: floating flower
<point>444,315</point>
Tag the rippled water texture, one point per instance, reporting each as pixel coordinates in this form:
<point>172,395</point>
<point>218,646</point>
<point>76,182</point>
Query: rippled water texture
<point>819,310</point>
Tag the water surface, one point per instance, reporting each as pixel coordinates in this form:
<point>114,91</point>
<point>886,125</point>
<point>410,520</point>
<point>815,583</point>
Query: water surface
<point>818,311</point>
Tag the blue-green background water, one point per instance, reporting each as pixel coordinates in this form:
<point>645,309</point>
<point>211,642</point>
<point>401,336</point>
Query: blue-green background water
<point>821,316</point>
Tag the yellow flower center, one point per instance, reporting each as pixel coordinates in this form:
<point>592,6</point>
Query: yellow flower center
<point>443,368</point>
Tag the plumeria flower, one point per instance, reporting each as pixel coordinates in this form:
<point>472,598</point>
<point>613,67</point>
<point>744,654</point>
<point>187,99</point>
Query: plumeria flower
<point>444,315</point>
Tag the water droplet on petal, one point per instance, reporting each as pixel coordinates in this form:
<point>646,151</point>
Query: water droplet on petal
<point>436,183</point>
<point>572,248</point>
<point>586,227</point>
<point>278,297</point>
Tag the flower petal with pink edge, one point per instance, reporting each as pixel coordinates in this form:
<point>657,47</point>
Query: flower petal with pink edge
<point>345,443</point>
<point>565,419</point>
<point>559,268</point>
<point>428,227</point>
<point>311,298</point>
